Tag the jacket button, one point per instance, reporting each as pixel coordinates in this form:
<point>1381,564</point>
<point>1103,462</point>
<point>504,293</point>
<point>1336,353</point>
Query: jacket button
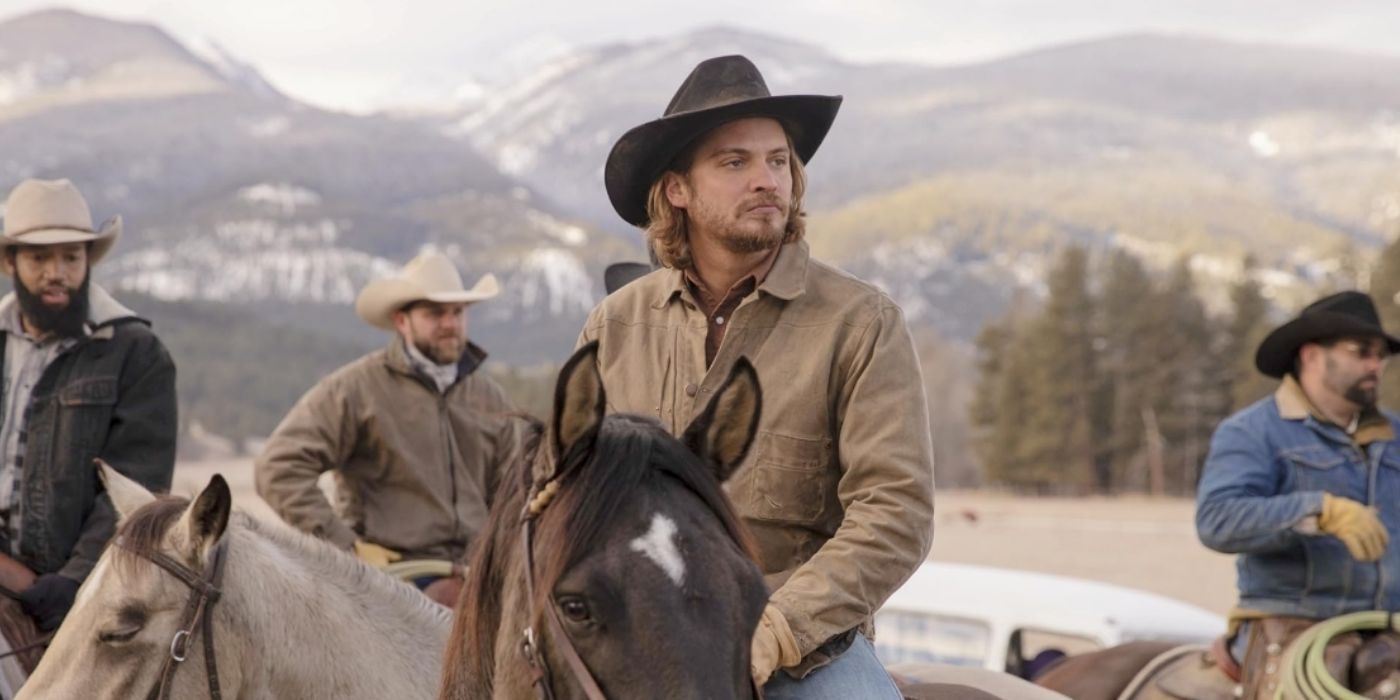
<point>691,389</point>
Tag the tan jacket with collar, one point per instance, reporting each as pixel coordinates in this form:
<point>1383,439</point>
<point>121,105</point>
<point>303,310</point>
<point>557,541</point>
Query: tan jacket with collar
<point>416,469</point>
<point>838,487</point>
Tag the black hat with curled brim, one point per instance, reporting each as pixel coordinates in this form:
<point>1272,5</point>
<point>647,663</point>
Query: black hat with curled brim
<point>1341,315</point>
<point>717,91</point>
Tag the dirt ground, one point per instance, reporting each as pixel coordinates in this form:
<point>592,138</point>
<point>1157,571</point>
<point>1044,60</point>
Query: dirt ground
<point>1144,543</point>
<point>1138,542</point>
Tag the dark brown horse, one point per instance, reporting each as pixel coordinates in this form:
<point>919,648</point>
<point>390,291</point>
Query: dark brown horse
<point>1103,674</point>
<point>642,578</point>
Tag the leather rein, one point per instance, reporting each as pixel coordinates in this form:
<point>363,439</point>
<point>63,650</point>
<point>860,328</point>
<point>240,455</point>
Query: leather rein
<point>198,614</point>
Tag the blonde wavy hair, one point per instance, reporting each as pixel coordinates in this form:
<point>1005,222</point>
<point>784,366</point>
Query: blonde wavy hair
<point>668,231</point>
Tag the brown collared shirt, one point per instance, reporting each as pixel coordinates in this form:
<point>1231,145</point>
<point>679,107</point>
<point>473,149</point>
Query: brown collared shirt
<point>718,310</point>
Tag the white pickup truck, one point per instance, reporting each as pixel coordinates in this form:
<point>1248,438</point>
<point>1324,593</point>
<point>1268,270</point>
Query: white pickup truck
<point>1000,619</point>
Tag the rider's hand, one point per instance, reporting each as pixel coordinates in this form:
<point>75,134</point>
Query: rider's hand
<point>375,555</point>
<point>48,600</point>
<point>773,646</point>
<point>1356,525</point>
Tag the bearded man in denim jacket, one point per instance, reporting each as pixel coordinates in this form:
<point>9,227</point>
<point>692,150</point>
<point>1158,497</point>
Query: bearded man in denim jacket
<point>1305,485</point>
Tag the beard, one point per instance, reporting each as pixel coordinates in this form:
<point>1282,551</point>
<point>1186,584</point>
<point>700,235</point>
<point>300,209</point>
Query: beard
<point>738,232</point>
<point>1363,396</point>
<point>65,321</point>
<point>444,350</point>
<point>1363,391</point>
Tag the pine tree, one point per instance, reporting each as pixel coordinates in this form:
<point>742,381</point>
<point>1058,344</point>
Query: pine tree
<point>1059,430</point>
<point>1127,364</point>
<point>993,349</point>
<point>1185,407</point>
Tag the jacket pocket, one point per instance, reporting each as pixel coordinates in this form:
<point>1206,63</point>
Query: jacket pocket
<point>790,479</point>
<point>1319,468</point>
<point>85,411</point>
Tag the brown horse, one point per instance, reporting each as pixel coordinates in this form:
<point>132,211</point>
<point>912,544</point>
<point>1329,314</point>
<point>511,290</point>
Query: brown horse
<point>1103,674</point>
<point>616,552</point>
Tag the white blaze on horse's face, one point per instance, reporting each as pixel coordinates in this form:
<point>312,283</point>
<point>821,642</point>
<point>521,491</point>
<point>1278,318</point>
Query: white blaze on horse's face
<point>659,545</point>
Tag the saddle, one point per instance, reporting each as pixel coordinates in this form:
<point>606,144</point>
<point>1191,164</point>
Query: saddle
<point>18,628</point>
<point>1367,666</point>
<point>20,631</point>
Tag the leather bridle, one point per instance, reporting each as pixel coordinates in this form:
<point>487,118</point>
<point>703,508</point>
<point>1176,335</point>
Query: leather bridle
<point>197,616</point>
<point>530,644</point>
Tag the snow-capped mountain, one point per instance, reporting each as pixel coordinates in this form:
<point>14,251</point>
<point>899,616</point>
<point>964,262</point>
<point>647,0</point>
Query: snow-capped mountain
<point>951,186</point>
<point>948,186</point>
<point>234,193</point>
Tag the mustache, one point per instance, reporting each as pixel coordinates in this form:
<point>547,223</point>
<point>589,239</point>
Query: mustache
<point>765,201</point>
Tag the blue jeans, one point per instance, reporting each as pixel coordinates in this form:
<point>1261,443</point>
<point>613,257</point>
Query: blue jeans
<point>854,674</point>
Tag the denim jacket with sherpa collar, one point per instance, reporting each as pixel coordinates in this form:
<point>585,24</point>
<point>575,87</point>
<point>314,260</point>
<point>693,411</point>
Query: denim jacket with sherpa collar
<point>1261,491</point>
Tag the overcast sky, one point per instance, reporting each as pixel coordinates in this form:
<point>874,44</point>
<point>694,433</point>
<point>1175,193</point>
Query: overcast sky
<point>361,54</point>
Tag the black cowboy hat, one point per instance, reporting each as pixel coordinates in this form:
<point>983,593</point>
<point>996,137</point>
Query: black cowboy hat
<point>1345,314</point>
<point>719,90</point>
<point>619,274</point>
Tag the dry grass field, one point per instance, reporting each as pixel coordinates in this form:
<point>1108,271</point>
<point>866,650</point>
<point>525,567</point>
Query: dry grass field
<point>1131,541</point>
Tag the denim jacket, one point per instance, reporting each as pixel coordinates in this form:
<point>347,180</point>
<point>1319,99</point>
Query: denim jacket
<point>1261,491</point>
<point>111,396</point>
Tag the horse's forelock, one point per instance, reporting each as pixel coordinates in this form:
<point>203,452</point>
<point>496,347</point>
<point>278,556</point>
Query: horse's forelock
<point>143,532</point>
<point>595,492</point>
<point>678,462</point>
<point>631,452</point>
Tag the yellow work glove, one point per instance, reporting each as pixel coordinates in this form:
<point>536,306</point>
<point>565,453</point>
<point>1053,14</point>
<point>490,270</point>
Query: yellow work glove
<point>1356,525</point>
<point>375,555</point>
<point>773,646</point>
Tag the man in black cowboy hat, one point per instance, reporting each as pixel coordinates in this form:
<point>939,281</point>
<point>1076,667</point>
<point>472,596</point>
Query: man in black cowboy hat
<point>838,486</point>
<point>1305,485</point>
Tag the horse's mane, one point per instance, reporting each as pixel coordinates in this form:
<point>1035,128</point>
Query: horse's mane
<point>629,453</point>
<point>143,532</point>
<point>140,535</point>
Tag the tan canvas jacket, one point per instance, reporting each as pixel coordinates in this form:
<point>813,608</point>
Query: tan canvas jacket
<point>838,487</point>
<point>415,469</point>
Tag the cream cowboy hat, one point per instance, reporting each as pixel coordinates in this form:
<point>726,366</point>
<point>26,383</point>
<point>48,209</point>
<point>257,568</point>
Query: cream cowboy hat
<point>51,212</point>
<point>428,277</point>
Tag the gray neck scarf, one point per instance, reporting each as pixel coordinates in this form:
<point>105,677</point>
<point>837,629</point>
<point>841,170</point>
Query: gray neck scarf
<point>444,376</point>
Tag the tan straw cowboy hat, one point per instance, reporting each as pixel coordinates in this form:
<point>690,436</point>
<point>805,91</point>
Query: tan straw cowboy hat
<point>52,212</point>
<point>428,277</point>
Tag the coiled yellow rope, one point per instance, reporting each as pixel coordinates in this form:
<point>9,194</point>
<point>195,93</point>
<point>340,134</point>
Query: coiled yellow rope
<point>1304,672</point>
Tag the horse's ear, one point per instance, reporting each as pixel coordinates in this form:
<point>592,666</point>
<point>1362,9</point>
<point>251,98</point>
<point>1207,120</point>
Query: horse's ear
<point>126,494</point>
<point>722,433</point>
<point>579,402</point>
<point>206,519</point>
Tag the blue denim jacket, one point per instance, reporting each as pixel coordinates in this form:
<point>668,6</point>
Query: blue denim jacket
<point>1262,488</point>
